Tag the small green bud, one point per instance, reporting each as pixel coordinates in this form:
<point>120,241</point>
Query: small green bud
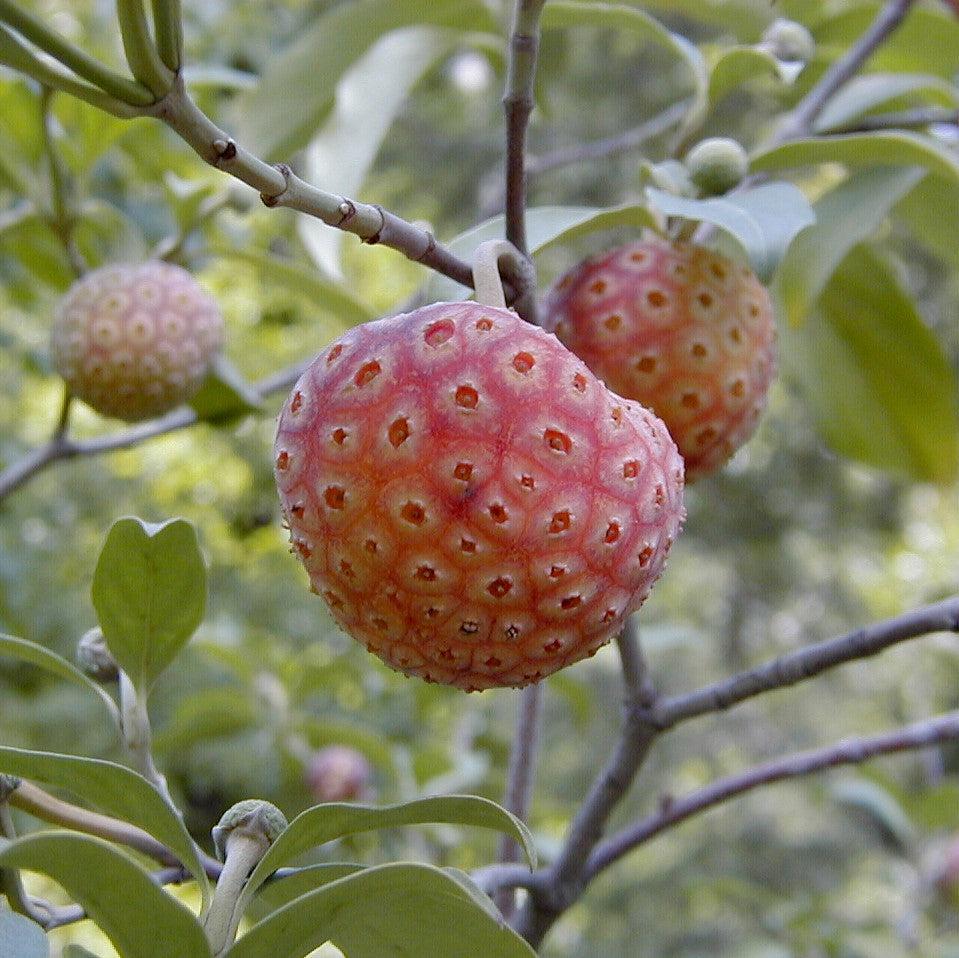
<point>717,165</point>
<point>253,817</point>
<point>8,785</point>
<point>789,41</point>
<point>94,657</point>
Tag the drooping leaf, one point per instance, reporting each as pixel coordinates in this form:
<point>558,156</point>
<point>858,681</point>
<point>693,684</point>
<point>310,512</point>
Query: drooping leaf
<point>880,809</point>
<point>21,938</point>
<point>863,94</point>
<point>395,909</point>
<point>881,148</point>
<point>368,98</point>
<point>139,917</point>
<point>51,662</point>
<point>304,77</point>
<point>763,221</point>
<point>931,212</point>
<point>875,377</point>
<point>738,65</point>
<point>225,395</point>
<point>149,590</point>
<point>845,216</point>
<point>323,823</point>
<point>113,789</point>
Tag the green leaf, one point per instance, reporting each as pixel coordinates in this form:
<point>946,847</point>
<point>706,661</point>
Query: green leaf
<point>113,789</point>
<point>21,938</point>
<point>931,212</point>
<point>395,909</point>
<point>212,713</point>
<point>141,919</point>
<point>762,221</point>
<point>863,94</point>
<point>882,148</point>
<point>51,662</point>
<point>368,98</point>
<point>225,395</point>
<point>545,226</point>
<point>324,292</point>
<point>324,823</point>
<point>738,65</point>
<point>149,590</point>
<point>745,18</point>
<point>302,880</point>
<point>875,377</point>
<point>564,14</point>
<point>304,77</point>
<point>845,216</point>
<point>880,809</point>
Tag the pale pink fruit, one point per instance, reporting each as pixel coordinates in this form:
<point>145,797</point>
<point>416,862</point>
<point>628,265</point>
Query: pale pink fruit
<point>474,506</point>
<point>679,328</point>
<point>135,341</point>
<point>338,773</point>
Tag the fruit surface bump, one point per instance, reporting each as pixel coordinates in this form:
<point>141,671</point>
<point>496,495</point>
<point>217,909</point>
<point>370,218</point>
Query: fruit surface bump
<point>475,507</point>
<point>135,341</point>
<point>679,328</point>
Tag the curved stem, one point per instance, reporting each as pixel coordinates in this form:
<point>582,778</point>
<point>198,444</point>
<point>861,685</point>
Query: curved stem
<point>141,54</point>
<point>15,54</point>
<point>84,66</point>
<point>168,25</point>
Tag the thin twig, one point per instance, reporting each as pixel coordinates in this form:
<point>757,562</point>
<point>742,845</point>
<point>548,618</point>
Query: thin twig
<point>848,752</point>
<point>35,461</point>
<point>609,146</point>
<point>566,876</point>
<point>799,122</point>
<point>520,774</point>
<point>807,662</point>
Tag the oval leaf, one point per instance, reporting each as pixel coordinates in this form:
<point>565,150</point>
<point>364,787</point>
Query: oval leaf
<point>883,148</point>
<point>324,823</point>
<point>845,216</point>
<point>111,788</point>
<point>139,918</point>
<point>21,938</point>
<point>304,76</point>
<point>875,377</point>
<point>225,395</point>
<point>53,663</point>
<point>149,590</point>
<point>740,65</point>
<point>396,909</point>
<point>762,221</point>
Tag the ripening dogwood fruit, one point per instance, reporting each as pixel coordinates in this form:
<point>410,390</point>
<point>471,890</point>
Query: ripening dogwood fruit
<point>338,773</point>
<point>679,328</point>
<point>475,507</point>
<point>135,341</point>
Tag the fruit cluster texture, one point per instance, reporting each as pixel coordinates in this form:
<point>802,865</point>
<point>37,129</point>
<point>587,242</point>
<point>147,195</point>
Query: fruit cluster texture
<point>135,341</point>
<point>679,328</point>
<point>475,507</point>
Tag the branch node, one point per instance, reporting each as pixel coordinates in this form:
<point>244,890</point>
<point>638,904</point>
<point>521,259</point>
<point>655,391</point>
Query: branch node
<point>347,210</point>
<point>375,238</point>
<point>225,149</point>
<point>271,200</point>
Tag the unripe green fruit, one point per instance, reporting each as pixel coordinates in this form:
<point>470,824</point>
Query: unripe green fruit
<point>789,41</point>
<point>135,341</point>
<point>717,165</point>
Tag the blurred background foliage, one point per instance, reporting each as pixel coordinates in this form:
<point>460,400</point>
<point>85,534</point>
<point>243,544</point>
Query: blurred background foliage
<point>790,544</point>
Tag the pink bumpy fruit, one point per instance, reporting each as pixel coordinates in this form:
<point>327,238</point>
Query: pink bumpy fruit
<point>338,773</point>
<point>475,507</point>
<point>681,329</point>
<point>135,341</point>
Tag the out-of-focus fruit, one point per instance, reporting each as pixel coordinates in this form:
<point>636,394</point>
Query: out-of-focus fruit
<point>474,506</point>
<point>682,330</point>
<point>338,773</point>
<point>717,164</point>
<point>135,341</point>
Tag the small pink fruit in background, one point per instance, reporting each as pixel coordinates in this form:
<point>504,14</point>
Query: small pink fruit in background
<point>682,330</point>
<point>475,507</point>
<point>135,341</point>
<point>339,773</point>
